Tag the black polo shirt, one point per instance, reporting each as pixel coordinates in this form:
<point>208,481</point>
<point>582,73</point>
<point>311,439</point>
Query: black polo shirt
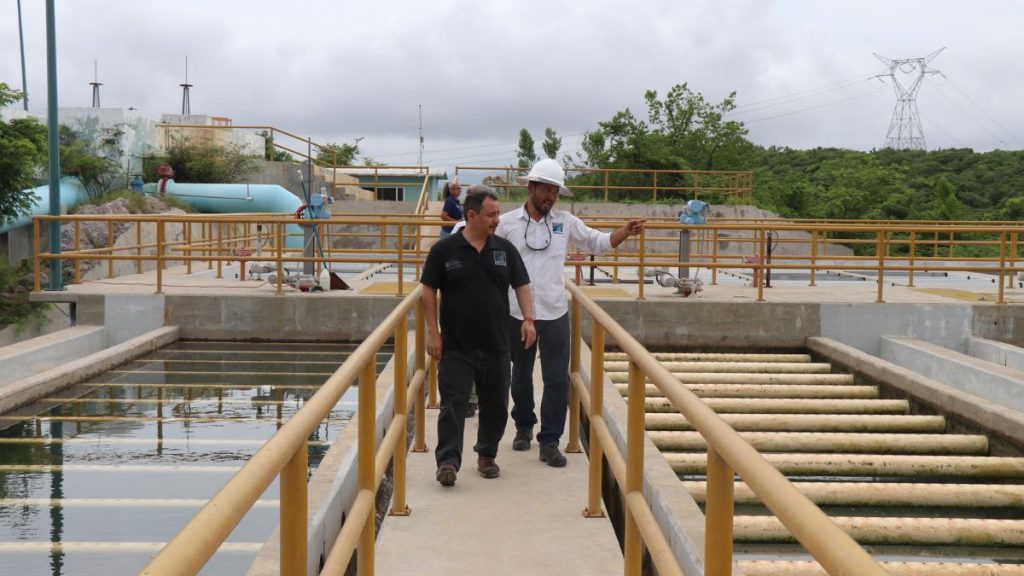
<point>474,290</point>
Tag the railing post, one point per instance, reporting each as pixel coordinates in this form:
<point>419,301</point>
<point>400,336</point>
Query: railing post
<point>37,262</point>
<point>714,257</point>
<point>188,245</point>
<point>634,547</point>
<point>1002,267</point>
<point>605,185</point>
<point>576,339</point>
<point>432,380</point>
<point>401,263</point>
<point>912,254</point>
<point>160,256</point>
<point>78,246</point>
<point>280,256</point>
<point>401,356</point>
<point>110,245</point>
<point>814,254</point>
<point>718,517</point>
<point>220,249</point>
<point>366,456</point>
<point>596,456</point>
<point>640,270</point>
<point>294,511</point>
<point>655,186</point>
<point>761,255</point>
<point>419,443</point>
<point>880,250</point>
<point>1013,259</point>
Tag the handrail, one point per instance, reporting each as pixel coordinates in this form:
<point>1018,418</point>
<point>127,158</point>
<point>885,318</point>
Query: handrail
<point>285,454</point>
<point>835,550</point>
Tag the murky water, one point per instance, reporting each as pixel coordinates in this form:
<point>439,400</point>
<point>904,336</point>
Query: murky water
<point>94,479</point>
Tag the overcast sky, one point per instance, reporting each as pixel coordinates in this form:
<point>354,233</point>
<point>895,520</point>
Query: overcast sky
<point>339,70</point>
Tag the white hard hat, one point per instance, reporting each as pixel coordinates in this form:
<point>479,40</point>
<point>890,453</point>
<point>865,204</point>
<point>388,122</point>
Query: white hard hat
<point>548,171</point>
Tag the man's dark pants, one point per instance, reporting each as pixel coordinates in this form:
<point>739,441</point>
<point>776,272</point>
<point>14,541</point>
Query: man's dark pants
<point>456,373</point>
<point>553,340</point>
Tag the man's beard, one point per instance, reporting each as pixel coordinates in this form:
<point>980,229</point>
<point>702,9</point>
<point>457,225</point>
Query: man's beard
<point>541,209</point>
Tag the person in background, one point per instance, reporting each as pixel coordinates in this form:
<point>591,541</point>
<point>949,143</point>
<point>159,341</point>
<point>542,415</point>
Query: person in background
<point>474,270</point>
<point>452,210</point>
<point>542,235</point>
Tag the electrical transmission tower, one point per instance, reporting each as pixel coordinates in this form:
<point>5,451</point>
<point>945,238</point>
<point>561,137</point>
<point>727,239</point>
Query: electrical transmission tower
<point>905,131</point>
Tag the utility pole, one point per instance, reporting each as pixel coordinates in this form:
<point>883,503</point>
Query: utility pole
<point>905,131</point>
<point>186,106</point>
<point>95,84</point>
<point>21,42</point>
<point>56,281</point>
<point>419,162</point>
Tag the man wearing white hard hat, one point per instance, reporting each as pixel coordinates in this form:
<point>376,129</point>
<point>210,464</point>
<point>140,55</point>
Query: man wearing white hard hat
<point>542,235</point>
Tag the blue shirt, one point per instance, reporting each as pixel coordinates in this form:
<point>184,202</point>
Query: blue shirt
<point>453,209</point>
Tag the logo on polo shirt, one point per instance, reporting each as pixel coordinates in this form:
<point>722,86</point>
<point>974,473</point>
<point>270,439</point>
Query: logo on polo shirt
<point>557,228</point>
<point>452,265</point>
<point>499,258</point>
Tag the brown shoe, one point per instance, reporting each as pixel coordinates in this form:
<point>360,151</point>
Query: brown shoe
<point>488,467</point>
<point>446,474</point>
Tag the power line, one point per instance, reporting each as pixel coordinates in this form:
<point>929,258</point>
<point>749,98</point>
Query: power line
<point>808,109</point>
<point>965,113</point>
<point>800,95</point>
<point>983,111</point>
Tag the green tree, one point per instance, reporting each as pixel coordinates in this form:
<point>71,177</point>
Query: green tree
<point>946,205</point>
<point>271,153</point>
<point>22,151</point>
<point>332,154</point>
<point>526,156</point>
<point>203,161</point>
<point>93,162</point>
<point>552,143</point>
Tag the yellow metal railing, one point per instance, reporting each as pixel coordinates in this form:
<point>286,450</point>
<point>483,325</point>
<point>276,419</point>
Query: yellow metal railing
<point>728,454</point>
<point>285,454</point>
<point>733,186</point>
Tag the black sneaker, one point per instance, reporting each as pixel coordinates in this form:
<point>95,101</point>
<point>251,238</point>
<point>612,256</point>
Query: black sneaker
<point>446,474</point>
<point>471,410</point>
<point>488,467</point>
<point>522,440</point>
<point>549,453</point>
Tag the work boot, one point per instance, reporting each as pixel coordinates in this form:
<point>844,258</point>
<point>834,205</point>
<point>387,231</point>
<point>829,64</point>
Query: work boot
<point>549,453</point>
<point>522,440</point>
<point>446,474</point>
<point>488,467</point>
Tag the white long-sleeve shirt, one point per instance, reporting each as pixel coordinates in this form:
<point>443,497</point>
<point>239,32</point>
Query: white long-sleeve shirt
<point>544,246</point>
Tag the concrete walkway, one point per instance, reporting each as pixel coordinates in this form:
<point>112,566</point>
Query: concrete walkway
<point>528,521</point>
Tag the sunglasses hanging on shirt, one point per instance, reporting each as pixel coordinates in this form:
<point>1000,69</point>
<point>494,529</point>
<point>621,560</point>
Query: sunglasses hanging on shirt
<point>526,235</point>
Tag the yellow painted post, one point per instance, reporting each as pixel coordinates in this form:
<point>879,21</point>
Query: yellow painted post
<point>280,255</point>
<point>110,245</point>
<point>367,455</point>
<point>294,511</point>
<point>37,262</point>
<point>633,549</point>
<point>762,242</point>
<point>593,509</point>
<point>432,379</point>
<point>576,332</point>
<point>912,253</point>
<point>605,185</point>
<point>640,270</point>
<point>159,256</point>
<point>383,238</point>
<point>1002,267</point>
<point>951,241</point>
<point>78,246</point>
<point>718,517</point>
<point>419,442</point>
<point>401,260</point>
<point>655,186</point>
<point>880,250</point>
<point>714,257</point>
<point>220,249</point>
<point>814,254</point>
<point>401,356</point>
<point>615,272</point>
<point>188,246</point>
<point>1013,260</point>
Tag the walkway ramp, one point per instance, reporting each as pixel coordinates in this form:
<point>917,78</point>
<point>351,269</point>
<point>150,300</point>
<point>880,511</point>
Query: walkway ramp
<point>528,521</point>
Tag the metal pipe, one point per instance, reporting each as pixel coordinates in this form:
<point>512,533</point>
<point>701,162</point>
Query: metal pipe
<point>293,513</point>
<point>576,332</point>
<point>367,449</point>
<point>873,443</point>
<point>736,367</point>
<point>870,465</point>
<point>805,568</point>
<point>401,362</point>
<point>53,136</point>
<point>810,422</point>
<point>890,494</point>
<point>718,516</point>
<point>741,378</point>
<point>633,546</point>
<point>876,530</point>
<point>791,405</point>
<point>595,410</point>
<point>767,391</point>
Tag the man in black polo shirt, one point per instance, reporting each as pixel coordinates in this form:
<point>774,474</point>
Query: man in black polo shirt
<point>474,269</point>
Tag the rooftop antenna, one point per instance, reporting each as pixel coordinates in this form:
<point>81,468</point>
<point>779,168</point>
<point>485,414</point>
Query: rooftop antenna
<point>186,107</point>
<point>905,131</point>
<point>419,162</point>
<point>95,84</point>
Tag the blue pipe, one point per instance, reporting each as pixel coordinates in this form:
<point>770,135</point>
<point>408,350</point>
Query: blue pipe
<point>72,193</point>
<point>235,198</point>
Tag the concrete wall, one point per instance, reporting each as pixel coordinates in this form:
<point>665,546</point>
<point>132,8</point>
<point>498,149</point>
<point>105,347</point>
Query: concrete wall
<point>860,325</point>
<point>36,355</point>
<point>999,384</point>
<point>996,352</point>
